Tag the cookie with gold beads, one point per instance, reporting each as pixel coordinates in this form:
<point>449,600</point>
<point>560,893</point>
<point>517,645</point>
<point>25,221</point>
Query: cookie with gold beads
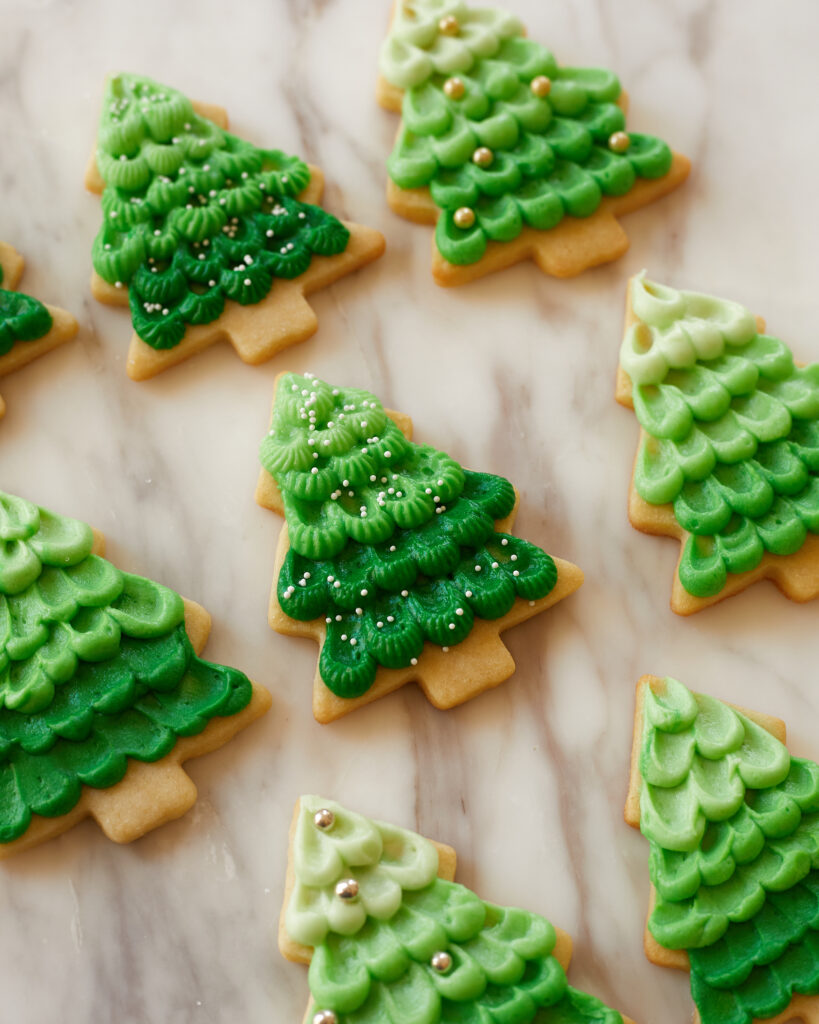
<point>509,155</point>
<point>390,936</point>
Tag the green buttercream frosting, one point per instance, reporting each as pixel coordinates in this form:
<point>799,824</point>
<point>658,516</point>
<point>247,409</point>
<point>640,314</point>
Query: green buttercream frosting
<point>95,667</point>
<point>372,959</point>
<point>550,155</point>
<point>392,542</point>
<point>416,50</point>
<point>193,215</point>
<point>22,318</point>
<point>733,825</point>
<point>731,431</point>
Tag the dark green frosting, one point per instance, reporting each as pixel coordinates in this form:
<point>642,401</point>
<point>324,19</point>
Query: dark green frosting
<point>392,542</point>
<point>95,668</point>
<point>22,318</point>
<point>194,216</point>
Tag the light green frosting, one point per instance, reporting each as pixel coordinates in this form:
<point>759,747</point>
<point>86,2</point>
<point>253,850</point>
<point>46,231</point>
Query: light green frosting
<point>677,328</point>
<point>415,49</point>
<point>383,859</point>
<point>60,604</point>
<point>697,758</point>
<point>32,538</point>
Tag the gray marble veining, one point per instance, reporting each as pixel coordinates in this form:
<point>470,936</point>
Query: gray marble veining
<point>515,375</point>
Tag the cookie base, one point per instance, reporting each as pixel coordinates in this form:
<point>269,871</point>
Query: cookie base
<point>256,332</point>
<point>447,863</point>
<point>63,328</point>
<point>796,575</point>
<point>152,793</point>
<point>804,1008</point>
<point>447,678</point>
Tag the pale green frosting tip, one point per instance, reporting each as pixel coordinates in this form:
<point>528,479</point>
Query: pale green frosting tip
<point>32,538</point>
<point>676,329</point>
<point>384,860</point>
<point>698,756</point>
<point>416,49</point>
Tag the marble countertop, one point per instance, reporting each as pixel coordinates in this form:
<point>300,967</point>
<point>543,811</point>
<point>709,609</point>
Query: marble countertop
<point>515,376</point>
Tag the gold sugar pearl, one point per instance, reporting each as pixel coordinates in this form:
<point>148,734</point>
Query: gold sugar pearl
<point>541,86</point>
<point>449,26</point>
<point>454,88</point>
<point>464,217</point>
<point>483,156</point>
<point>619,142</point>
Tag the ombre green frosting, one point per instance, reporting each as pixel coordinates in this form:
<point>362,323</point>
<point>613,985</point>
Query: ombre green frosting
<point>371,960</point>
<point>22,318</point>
<point>193,215</point>
<point>95,667</point>
<point>731,431</point>
<point>551,154</point>
<point>733,825</point>
<point>392,542</point>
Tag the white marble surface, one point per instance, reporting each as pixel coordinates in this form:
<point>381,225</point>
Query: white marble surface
<point>514,375</point>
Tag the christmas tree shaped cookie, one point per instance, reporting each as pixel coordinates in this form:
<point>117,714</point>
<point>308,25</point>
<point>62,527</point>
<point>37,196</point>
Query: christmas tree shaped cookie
<point>390,936</point>
<point>102,690</point>
<point>509,155</point>
<point>28,328</point>
<point>205,236</point>
<point>732,822</point>
<point>398,561</point>
<point>728,459</point>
